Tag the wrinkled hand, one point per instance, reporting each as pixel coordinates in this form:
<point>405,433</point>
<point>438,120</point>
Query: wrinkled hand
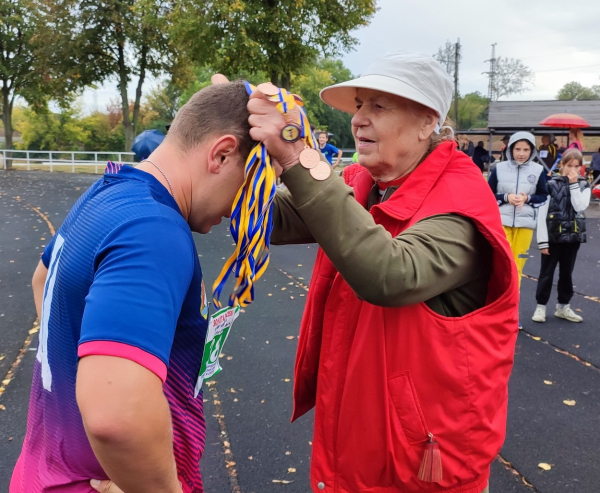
<point>218,79</point>
<point>545,251</point>
<point>267,123</point>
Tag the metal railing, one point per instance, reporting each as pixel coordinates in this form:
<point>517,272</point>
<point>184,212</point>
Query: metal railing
<point>62,160</point>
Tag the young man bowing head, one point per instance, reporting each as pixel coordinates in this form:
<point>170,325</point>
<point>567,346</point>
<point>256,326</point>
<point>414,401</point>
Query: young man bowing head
<point>123,314</point>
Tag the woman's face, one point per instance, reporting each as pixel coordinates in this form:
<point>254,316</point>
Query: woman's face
<point>521,151</point>
<point>572,165</point>
<point>392,133</point>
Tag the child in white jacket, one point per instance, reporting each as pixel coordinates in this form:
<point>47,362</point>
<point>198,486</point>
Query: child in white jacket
<point>560,231</point>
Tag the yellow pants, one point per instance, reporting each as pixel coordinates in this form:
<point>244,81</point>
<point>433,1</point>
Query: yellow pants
<point>519,240</point>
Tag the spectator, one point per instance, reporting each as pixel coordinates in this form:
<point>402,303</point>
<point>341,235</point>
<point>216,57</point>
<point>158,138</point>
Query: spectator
<point>576,142</point>
<point>505,140</point>
<point>560,232</point>
<point>548,151</point>
<point>596,164</point>
<point>480,155</point>
<point>329,150</point>
<point>520,187</point>
<point>468,148</point>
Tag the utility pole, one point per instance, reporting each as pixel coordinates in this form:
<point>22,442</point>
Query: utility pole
<point>492,74</point>
<point>456,62</point>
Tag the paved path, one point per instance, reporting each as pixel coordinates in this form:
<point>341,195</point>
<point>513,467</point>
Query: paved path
<point>250,442</point>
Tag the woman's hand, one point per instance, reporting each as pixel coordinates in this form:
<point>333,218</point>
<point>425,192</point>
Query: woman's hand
<point>267,123</point>
<point>545,251</point>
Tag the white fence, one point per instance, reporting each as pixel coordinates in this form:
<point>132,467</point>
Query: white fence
<point>63,160</point>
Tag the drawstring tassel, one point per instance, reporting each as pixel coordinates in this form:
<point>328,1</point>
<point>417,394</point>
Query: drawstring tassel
<point>431,467</point>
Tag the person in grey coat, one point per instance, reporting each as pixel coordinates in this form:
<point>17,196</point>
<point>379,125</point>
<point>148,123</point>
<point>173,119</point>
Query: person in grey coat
<point>519,184</point>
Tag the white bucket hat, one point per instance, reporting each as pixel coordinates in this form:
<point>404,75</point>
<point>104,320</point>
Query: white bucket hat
<point>417,77</point>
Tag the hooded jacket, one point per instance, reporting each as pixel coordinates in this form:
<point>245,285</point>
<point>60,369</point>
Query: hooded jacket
<point>511,177</point>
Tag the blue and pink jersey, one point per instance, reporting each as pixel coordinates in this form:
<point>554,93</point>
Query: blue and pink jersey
<point>123,280</point>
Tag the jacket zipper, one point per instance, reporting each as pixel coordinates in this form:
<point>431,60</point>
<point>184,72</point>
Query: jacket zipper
<point>516,192</point>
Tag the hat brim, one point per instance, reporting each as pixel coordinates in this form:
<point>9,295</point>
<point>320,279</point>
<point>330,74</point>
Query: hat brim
<point>343,96</point>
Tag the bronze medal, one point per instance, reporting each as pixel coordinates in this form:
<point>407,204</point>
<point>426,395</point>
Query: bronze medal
<point>321,172</point>
<point>309,158</point>
<point>291,132</point>
<point>268,89</point>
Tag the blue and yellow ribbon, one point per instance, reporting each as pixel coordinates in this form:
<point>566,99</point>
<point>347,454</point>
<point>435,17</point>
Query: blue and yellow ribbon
<point>251,216</point>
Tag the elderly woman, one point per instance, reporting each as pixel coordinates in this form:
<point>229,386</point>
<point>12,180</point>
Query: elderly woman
<point>408,334</point>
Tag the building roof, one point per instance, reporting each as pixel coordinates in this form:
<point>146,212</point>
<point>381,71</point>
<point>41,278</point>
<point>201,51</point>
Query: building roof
<point>514,115</point>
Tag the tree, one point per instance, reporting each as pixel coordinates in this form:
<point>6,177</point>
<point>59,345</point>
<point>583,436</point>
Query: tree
<point>510,77</point>
<point>574,91</point>
<point>446,55</point>
<point>114,39</point>
<point>277,37</point>
<point>472,111</point>
<point>19,74</point>
<point>308,85</point>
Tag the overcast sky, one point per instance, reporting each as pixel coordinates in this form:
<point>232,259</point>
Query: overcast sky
<point>558,39</point>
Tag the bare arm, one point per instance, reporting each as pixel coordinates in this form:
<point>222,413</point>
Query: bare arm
<point>339,157</point>
<point>127,420</point>
<point>37,284</point>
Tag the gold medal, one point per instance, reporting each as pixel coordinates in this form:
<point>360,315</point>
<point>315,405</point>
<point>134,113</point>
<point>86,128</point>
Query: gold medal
<point>309,158</point>
<point>268,89</point>
<point>321,171</point>
<point>291,132</point>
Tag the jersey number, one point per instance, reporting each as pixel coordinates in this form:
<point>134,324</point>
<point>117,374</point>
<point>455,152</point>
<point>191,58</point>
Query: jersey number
<point>42,354</point>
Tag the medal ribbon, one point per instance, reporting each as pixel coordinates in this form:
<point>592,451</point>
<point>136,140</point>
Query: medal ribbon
<point>251,216</point>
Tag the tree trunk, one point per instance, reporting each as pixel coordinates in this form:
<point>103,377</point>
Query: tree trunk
<point>123,79</point>
<point>138,90</point>
<point>275,77</point>
<point>286,81</point>
<point>7,106</point>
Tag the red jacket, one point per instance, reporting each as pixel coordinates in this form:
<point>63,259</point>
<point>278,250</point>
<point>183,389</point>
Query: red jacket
<point>381,379</point>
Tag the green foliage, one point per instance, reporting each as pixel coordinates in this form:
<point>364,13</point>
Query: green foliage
<point>574,91</point>
<point>472,111</point>
<point>308,85</point>
<point>277,37</point>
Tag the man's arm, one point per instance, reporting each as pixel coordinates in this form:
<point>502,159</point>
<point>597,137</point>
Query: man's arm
<point>339,157</point>
<point>127,421</point>
<point>37,284</point>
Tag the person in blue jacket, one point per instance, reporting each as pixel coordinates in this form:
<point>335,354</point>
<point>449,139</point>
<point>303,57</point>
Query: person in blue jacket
<point>329,150</point>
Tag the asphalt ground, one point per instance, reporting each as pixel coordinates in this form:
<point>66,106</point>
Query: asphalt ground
<point>251,445</point>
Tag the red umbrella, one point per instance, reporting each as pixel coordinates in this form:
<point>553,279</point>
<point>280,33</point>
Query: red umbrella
<point>564,120</point>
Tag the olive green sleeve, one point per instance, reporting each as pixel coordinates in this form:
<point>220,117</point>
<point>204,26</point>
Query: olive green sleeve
<point>434,256</point>
<point>288,226</point>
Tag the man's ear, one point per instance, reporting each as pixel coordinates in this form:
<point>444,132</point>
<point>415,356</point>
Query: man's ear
<point>428,124</point>
<point>223,151</point>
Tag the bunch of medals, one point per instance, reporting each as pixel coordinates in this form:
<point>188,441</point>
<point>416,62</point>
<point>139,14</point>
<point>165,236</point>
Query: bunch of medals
<point>251,216</point>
